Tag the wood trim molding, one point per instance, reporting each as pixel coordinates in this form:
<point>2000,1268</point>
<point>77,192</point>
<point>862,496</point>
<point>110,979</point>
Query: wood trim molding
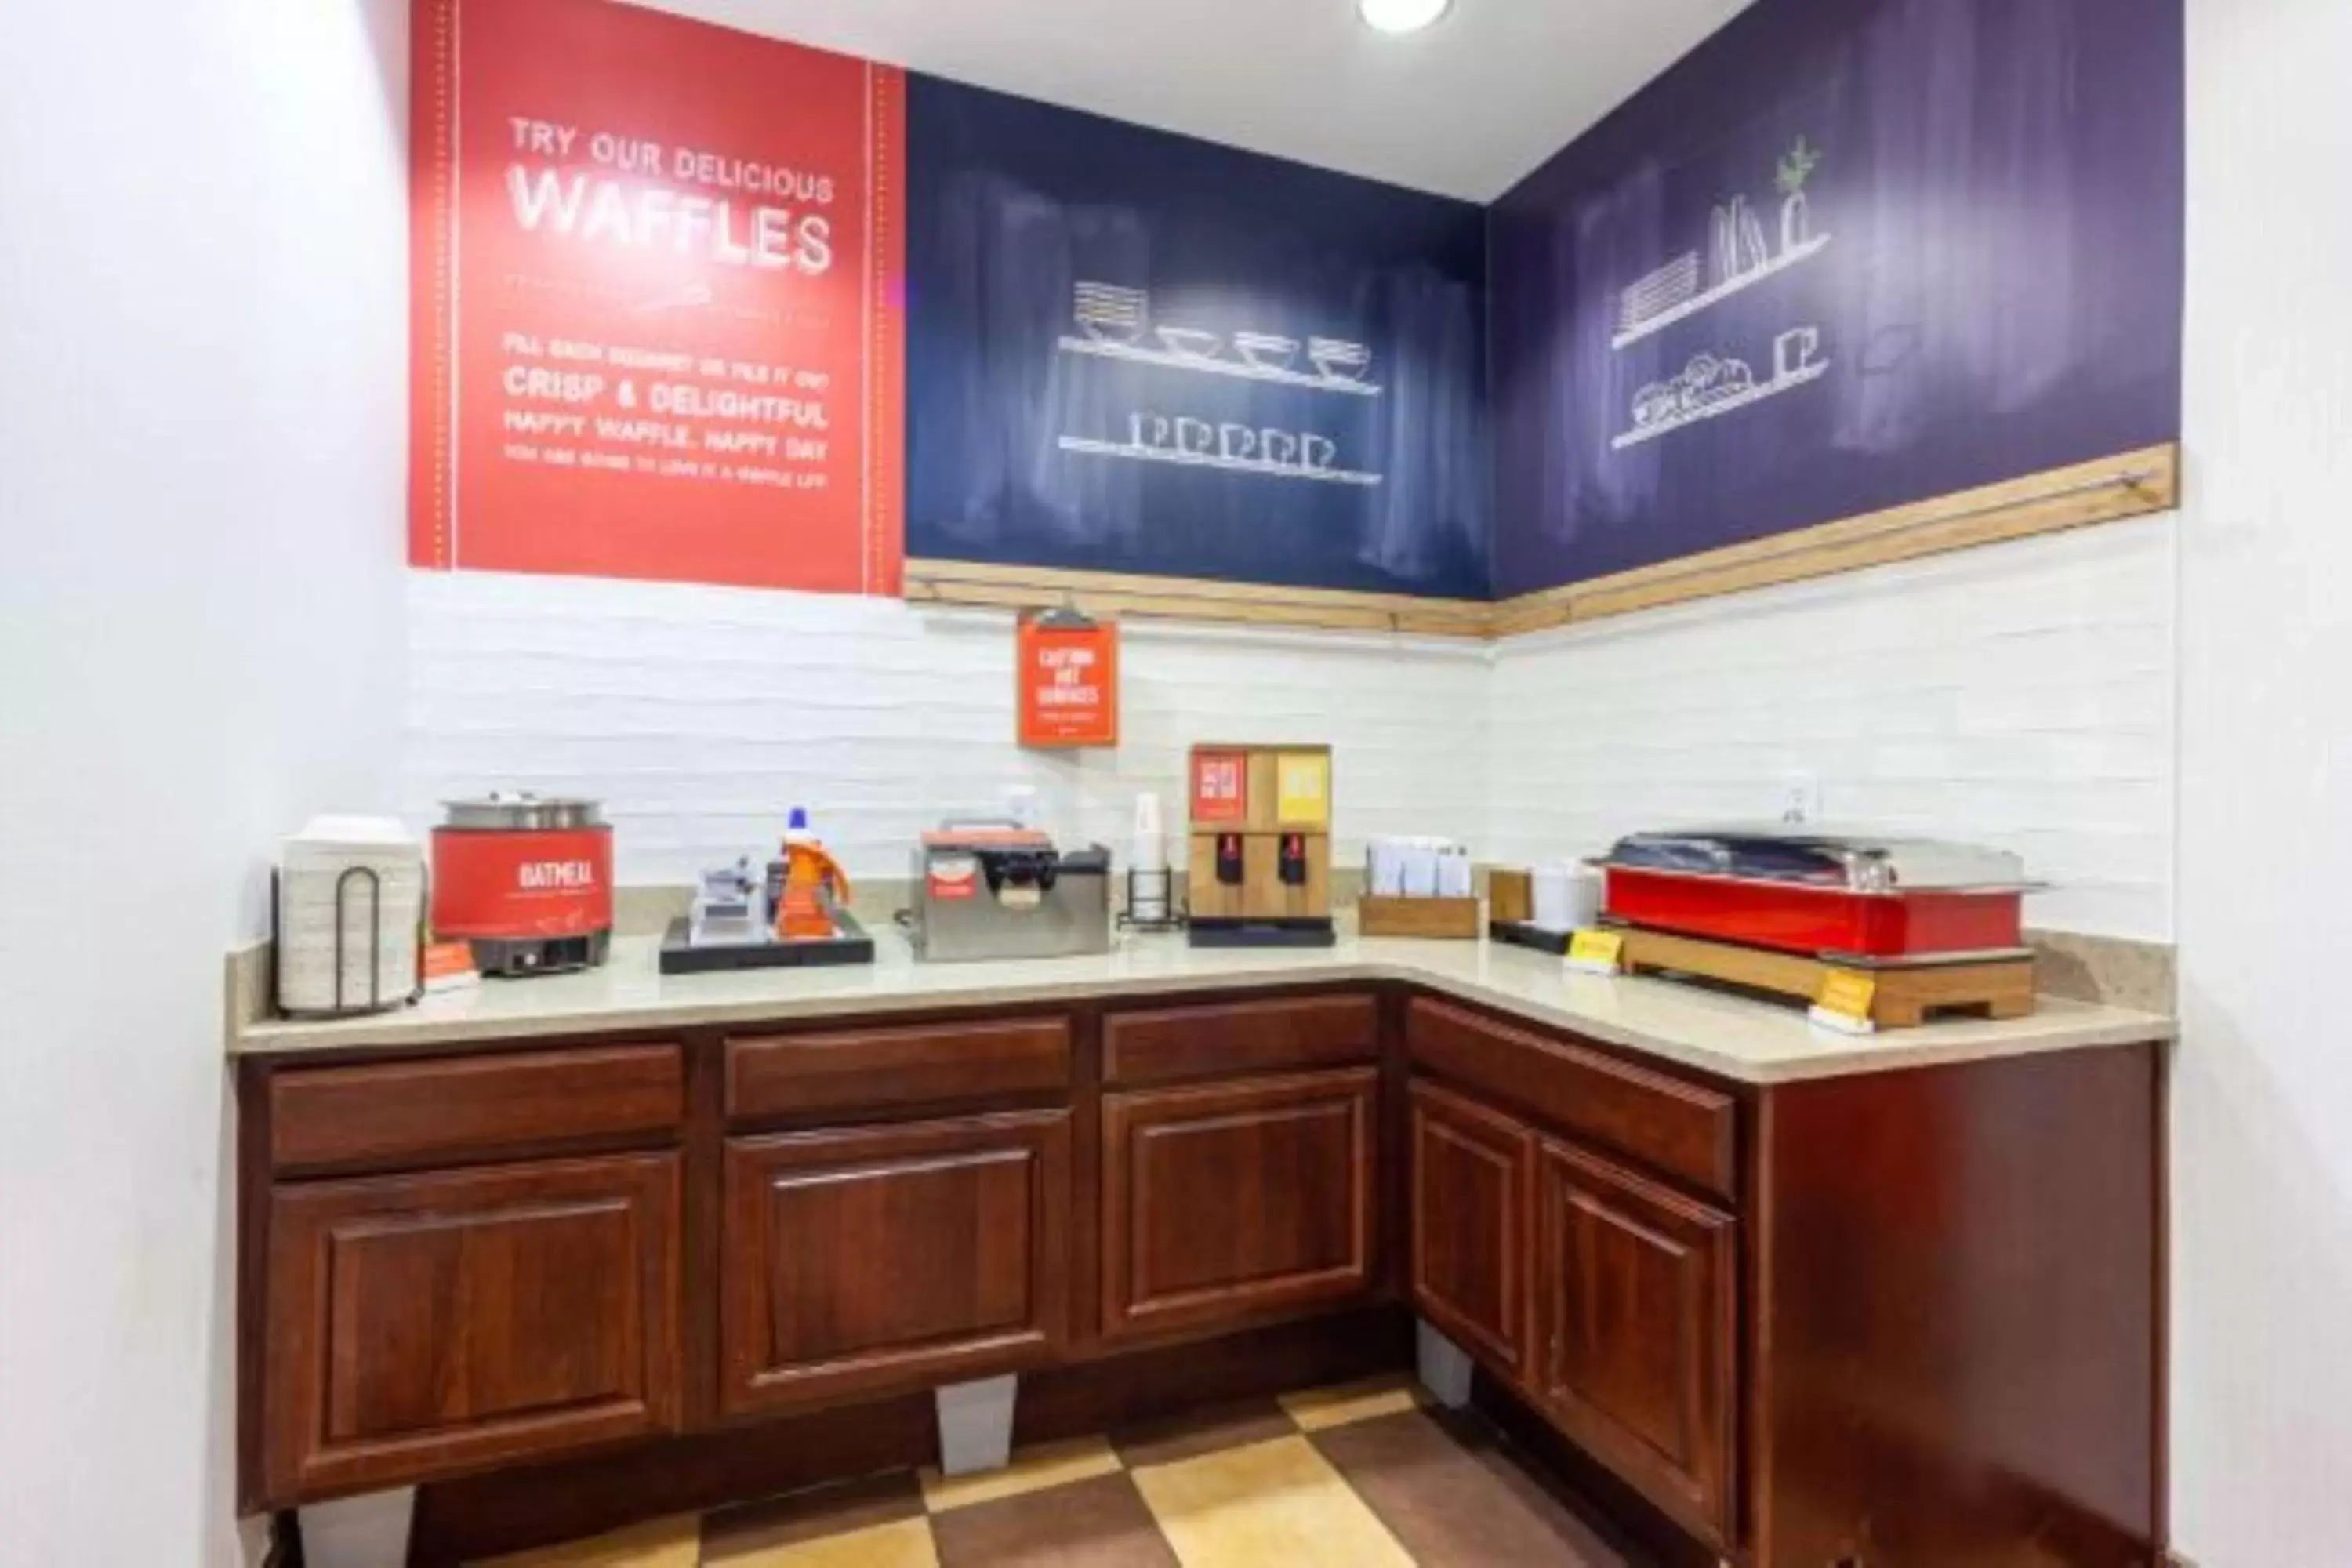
<point>1114,593</point>
<point>2130,484</point>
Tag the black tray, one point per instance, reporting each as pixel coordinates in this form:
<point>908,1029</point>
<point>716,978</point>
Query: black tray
<point>1230,933</point>
<point>680,956</point>
<point>1522,934</point>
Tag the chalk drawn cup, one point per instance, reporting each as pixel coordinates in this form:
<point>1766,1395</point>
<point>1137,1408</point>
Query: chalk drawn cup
<point>1148,432</point>
<point>1281,448</point>
<point>1795,351</point>
<point>1337,359</point>
<point>1195,438</point>
<point>1265,352</point>
<point>1316,453</point>
<point>1185,343</point>
<point>1236,443</point>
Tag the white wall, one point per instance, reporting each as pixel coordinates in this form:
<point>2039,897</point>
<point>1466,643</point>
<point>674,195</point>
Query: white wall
<point>203,326</point>
<point>2019,695</point>
<point>2261,1167</point>
<point>702,715</point>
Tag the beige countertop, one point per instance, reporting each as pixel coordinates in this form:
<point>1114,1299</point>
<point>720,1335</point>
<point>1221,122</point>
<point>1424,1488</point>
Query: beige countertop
<point>1749,1041</point>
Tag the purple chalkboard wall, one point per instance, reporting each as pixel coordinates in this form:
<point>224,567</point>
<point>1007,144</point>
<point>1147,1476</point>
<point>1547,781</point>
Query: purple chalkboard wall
<point>1134,351</point>
<point>1846,254</point>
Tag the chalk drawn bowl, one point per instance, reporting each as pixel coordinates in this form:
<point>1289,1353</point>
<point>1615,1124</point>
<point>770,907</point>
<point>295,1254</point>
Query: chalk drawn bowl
<point>1266,353</point>
<point>1186,343</point>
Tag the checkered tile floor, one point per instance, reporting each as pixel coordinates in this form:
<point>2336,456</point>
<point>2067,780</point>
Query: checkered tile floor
<point>1359,1477</point>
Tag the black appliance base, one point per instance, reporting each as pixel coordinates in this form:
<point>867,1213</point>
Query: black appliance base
<point>1228,932</point>
<point>680,956</point>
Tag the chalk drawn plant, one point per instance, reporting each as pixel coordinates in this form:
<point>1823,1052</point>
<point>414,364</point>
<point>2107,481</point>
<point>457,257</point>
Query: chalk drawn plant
<point>1797,166</point>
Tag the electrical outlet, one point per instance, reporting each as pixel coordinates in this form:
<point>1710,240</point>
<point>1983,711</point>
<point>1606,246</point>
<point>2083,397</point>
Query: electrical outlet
<point>1801,798</point>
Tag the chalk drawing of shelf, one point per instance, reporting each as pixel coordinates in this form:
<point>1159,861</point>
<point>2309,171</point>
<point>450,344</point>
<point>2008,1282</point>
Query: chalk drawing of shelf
<point>1633,326</point>
<point>1712,387</point>
<point>1266,468</point>
<point>1172,360</point>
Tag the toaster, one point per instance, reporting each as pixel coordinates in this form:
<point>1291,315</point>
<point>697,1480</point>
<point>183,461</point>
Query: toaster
<point>1006,892</point>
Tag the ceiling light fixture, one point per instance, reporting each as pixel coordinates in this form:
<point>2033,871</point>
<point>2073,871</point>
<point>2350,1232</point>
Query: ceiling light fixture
<point>1401,16</point>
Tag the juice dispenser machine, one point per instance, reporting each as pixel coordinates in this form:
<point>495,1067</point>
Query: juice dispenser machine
<point>1259,868</point>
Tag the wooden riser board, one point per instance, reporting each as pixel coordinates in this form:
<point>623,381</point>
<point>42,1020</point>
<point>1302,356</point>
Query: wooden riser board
<point>1907,995</point>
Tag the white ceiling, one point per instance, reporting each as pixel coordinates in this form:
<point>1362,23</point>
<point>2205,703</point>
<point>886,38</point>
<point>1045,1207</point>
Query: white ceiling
<point>1465,108</point>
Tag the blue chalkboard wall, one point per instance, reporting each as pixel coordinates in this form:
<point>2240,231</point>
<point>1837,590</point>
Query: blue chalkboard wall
<point>1847,254</point>
<point>1134,351</point>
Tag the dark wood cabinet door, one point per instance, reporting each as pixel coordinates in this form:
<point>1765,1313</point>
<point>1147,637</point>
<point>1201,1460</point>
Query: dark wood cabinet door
<point>1231,1202</point>
<point>1635,1289</point>
<point>893,1257</point>
<point>1472,1240</point>
<point>419,1326</point>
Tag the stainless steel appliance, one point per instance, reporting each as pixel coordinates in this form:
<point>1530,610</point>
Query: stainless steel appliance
<point>995,891</point>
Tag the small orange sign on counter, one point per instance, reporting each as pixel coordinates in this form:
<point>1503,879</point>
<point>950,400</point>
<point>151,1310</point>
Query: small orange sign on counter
<point>1067,667</point>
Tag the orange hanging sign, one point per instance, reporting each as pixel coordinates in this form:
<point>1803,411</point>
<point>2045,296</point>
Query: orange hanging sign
<point>1067,667</point>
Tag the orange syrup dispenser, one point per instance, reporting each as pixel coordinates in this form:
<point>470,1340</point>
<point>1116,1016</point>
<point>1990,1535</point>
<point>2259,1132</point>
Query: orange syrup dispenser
<point>815,884</point>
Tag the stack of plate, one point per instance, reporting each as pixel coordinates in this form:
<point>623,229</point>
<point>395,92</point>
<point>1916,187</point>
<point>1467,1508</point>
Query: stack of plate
<point>1107,312</point>
<point>366,875</point>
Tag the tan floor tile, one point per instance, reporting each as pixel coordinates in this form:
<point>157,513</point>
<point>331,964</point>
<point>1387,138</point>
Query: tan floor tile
<point>1197,1432</point>
<point>902,1543</point>
<point>1032,1469</point>
<point>733,1535</point>
<point>1318,1409</point>
<point>661,1543</point>
<point>1270,1505</point>
<point>1097,1523</point>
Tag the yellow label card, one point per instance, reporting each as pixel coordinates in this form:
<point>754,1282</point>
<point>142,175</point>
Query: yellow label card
<point>1302,788</point>
<point>1847,992</point>
<point>1599,951</point>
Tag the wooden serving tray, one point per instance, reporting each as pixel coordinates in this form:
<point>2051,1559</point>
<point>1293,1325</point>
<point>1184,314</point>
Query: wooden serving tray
<point>1908,994</point>
<point>1458,920</point>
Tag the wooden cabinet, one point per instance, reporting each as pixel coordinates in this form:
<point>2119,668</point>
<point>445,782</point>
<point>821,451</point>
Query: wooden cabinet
<point>1173,1045</point>
<point>892,1257</point>
<point>1635,1314</point>
<point>1472,1240</point>
<point>1228,1202</point>
<point>455,1111</point>
<point>420,1325</point>
<point>858,1073</point>
<point>1685,1130</point>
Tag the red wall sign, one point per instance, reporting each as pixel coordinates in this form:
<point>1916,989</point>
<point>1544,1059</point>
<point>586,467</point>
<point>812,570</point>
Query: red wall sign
<point>1069,682</point>
<point>658,299</point>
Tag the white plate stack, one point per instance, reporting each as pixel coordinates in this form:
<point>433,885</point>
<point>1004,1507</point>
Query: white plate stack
<point>371,870</point>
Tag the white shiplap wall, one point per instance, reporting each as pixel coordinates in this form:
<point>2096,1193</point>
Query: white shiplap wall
<point>701,715</point>
<point>2019,695</point>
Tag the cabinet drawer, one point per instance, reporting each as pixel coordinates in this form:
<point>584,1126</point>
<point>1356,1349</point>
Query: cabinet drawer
<point>1685,1130</point>
<point>452,1109</point>
<point>931,1064</point>
<point>1169,1045</point>
<point>425,1326</point>
<point>888,1259</point>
